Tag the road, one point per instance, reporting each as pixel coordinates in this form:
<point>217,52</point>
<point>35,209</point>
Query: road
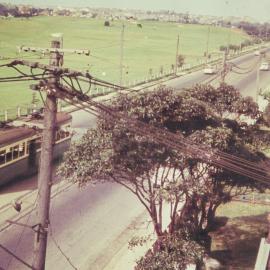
<point>246,83</point>
<point>88,222</point>
<point>85,221</point>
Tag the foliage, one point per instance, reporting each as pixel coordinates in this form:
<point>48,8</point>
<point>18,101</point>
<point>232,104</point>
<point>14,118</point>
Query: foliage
<point>180,60</point>
<point>107,23</point>
<point>255,29</point>
<point>174,253</point>
<point>161,176</point>
<point>139,241</point>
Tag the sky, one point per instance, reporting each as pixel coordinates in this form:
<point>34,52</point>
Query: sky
<point>258,9</point>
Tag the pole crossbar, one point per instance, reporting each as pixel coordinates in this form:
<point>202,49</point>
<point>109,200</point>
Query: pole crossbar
<point>53,50</point>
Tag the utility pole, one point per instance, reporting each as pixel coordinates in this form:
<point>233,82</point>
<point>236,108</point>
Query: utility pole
<point>258,79</point>
<point>207,44</point>
<point>121,55</point>
<point>45,174</point>
<point>229,41</point>
<point>268,240</point>
<point>48,138</point>
<point>224,68</point>
<point>176,56</point>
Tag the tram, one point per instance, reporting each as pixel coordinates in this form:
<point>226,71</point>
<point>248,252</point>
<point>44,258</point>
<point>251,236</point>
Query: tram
<point>20,145</point>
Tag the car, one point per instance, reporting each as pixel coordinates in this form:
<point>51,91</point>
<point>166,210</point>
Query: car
<point>257,53</point>
<point>264,66</point>
<point>209,70</point>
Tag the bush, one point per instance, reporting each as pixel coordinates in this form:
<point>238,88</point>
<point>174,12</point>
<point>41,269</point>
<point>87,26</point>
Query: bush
<point>171,252</point>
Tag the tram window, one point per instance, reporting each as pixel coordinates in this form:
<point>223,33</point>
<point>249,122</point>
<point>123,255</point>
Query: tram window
<point>38,143</point>
<point>62,134</point>
<point>8,154</point>
<point>2,157</point>
<point>21,149</point>
<point>27,147</point>
<point>15,152</point>
<point>57,135</point>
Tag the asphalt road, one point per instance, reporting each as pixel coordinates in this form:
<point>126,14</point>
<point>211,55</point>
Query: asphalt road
<point>246,82</point>
<point>87,222</point>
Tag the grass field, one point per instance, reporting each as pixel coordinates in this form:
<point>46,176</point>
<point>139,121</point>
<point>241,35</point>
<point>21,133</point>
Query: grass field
<point>152,46</point>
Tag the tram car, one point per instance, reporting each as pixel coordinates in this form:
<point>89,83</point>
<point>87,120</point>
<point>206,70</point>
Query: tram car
<point>20,145</point>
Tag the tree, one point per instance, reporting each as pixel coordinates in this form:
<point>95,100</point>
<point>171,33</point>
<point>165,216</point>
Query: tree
<point>161,177</point>
<point>175,252</point>
<point>180,60</point>
<point>231,135</point>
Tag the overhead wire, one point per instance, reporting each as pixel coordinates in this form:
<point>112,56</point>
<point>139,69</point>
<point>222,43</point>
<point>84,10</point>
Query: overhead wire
<point>23,79</point>
<point>246,70</point>
<point>60,249</point>
<point>186,146</point>
<point>220,162</point>
<point>15,256</point>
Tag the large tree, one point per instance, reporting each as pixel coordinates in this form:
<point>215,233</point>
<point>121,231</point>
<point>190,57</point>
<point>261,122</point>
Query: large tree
<point>165,180</point>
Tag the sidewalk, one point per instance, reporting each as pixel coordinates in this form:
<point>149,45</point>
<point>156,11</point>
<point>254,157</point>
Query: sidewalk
<point>118,256</point>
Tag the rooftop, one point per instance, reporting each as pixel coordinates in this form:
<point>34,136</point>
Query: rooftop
<point>9,135</point>
<point>36,120</point>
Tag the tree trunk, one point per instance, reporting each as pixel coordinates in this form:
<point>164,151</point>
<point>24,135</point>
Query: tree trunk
<point>211,217</point>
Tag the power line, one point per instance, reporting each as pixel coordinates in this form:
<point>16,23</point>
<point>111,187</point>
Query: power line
<point>16,257</point>
<point>188,147</point>
<point>245,70</point>
<point>60,249</point>
<point>185,145</point>
<point>22,79</point>
<point>109,46</point>
<point>22,76</point>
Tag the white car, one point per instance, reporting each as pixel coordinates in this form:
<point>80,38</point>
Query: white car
<point>264,66</point>
<point>257,53</point>
<point>209,70</point>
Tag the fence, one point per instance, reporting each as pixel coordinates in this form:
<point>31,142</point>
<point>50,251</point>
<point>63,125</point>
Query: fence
<point>12,113</point>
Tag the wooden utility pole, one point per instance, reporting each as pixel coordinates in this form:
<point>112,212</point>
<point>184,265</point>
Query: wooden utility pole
<point>48,139</point>
<point>176,56</point>
<point>268,240</point>
<point>207,44</point>
<point>258,80</point>
<point>45,169</point>
<point>121,55</point>
<point>224,66</point>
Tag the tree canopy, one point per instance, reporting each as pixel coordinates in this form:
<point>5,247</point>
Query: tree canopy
<point>161,177</point>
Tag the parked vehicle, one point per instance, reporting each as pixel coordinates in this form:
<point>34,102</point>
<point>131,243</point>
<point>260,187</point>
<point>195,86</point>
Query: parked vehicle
<point>257,53</point>
<point>264,66</point>
<point>20,145</point>
<point>209,70</point>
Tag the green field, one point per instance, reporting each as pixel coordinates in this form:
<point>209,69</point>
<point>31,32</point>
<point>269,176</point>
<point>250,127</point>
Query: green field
<point>149,47</point>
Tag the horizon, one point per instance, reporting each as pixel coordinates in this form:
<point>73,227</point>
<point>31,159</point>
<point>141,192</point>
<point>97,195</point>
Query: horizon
<point>257,10</point>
